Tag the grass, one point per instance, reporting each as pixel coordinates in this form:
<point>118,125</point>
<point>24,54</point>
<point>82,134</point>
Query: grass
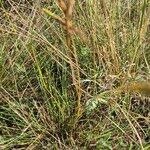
<point>58,72</point>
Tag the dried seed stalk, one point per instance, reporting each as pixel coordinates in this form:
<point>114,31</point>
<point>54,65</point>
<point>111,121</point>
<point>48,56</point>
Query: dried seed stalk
<point>67,9</point>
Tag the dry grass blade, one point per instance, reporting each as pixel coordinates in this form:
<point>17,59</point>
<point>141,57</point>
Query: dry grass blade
<point>109,30</point>
<point>68,18</point>
<point>69,12</point>
<point>56,17</point>
<point>75,72</point>
<point>67,23</point>
<point>62,5</point>
<point>72,30</point>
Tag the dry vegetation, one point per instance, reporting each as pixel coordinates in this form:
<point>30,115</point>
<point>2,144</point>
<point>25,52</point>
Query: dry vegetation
<point>74,74</point>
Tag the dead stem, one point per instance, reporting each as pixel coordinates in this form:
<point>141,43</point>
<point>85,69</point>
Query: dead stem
<point>67,9</point>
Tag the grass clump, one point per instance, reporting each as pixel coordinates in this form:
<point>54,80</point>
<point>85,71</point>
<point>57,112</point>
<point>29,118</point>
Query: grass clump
<point>74,74</point>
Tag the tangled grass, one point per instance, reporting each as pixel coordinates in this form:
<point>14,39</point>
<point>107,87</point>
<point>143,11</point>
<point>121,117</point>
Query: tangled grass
<point>60,63</point>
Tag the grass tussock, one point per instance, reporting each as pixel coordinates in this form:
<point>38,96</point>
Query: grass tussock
<point>74,74</point>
